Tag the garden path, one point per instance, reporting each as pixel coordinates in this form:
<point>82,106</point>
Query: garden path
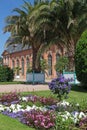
<point>22,88</point>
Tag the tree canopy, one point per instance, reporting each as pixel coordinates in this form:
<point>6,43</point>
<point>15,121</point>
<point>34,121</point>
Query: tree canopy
<point>47,22</point>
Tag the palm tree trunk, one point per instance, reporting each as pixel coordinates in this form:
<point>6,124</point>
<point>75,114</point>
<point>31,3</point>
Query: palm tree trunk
<point>35,66</point>
<point>71,52</point>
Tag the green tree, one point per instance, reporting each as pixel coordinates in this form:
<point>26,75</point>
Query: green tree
<point>68,20</point>
<point>81,59</point>
<point>1,61</point>
<point>62,64</point>
<point>23,28</point>
<point>6,74</point>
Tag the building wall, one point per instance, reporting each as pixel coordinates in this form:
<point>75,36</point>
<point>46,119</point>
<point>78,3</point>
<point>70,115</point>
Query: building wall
<point>21,58</point>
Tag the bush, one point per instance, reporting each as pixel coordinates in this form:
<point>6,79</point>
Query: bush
<point>6,74</point>
<point>62,64</point>
<point>81,59</point>
<point>60,86</point>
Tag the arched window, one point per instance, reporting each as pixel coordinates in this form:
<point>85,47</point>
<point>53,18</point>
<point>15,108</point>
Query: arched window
<point>27,62</point>
<point>18,67</point>
<point>22,63</point>
<point>57,57</point>
<point>50,64</point>
<point>13,64</point>
<point>17,63</point>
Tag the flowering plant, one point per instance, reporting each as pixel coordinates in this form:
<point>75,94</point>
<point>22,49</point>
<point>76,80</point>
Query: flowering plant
<point>42,100</point>
<point>39,119</point>
<point>83,123</point>
<point>60,86</point>
<point>10,98</point>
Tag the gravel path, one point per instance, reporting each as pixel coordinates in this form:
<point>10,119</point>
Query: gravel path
<point>22,88</point>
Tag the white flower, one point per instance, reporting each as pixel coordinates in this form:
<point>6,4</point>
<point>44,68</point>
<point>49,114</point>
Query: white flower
<point>12,106</point>
<point>35,107</point>
<point>24,99</point>
<point>28,108</point>
<point>65,117</point>
<point>1,108</point>
<point>75,114</point>
<point>81,114</point>
<point>76,120</point>
<point>8,109</point>
<point>67,113</point>
<point>64,103</point>
<point>77,104</point>
<point>18,106</point>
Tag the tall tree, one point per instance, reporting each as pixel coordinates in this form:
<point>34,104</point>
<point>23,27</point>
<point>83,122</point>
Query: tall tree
<point>23,28</point>
<point>68,19</point>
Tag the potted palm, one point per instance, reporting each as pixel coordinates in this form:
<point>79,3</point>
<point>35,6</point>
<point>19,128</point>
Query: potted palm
<point>36,77</point>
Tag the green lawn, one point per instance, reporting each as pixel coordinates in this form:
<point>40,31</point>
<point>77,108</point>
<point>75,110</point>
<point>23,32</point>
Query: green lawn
<point>14,82</point>
<point>7,123</point>
<point>77,94</point>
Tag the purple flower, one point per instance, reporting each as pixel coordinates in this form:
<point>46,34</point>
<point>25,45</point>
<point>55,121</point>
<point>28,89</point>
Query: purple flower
<point>60,86</point>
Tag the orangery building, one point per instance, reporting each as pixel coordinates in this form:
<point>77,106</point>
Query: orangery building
<point>18,56</point>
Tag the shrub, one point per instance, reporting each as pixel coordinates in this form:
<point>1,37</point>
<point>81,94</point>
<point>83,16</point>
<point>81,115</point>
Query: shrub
<point>60,86</point>
<point>63,125</point>
<point>6,74</point>
<point>62,64</point>
<point>81,59</point>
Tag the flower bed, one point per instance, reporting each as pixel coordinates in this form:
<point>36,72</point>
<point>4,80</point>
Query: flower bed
<point>45,113</point>
<point>46,116</point>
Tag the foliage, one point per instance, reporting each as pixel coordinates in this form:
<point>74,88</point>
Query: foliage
<point>62,64</point>
<point>63,125</point>
<point>81,59</point>
<point>25,30</point>
<point>29,69</point>
<point>1,61</point>
<point>44,65</point>
<point>17,69</point>
<point>60,86</point>
<point>66,19</point>
<point>47,22</point>
<point>6,74</point>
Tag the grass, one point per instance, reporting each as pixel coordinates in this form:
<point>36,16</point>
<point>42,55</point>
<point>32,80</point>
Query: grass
<point>7,123</point>
<point>18,82</point>
<point>14,82</point>
<point>77,94</point>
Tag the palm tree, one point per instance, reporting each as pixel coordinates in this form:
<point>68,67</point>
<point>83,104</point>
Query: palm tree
<point>68,19</point>
<point>23,28</point>
<point>72,17</point>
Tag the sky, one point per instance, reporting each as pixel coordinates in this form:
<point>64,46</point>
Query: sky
<point>6,7</point>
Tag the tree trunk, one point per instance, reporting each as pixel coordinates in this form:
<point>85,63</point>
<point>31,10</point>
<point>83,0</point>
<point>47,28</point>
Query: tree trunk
<point>36,67</point>
<point>71,53</point>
